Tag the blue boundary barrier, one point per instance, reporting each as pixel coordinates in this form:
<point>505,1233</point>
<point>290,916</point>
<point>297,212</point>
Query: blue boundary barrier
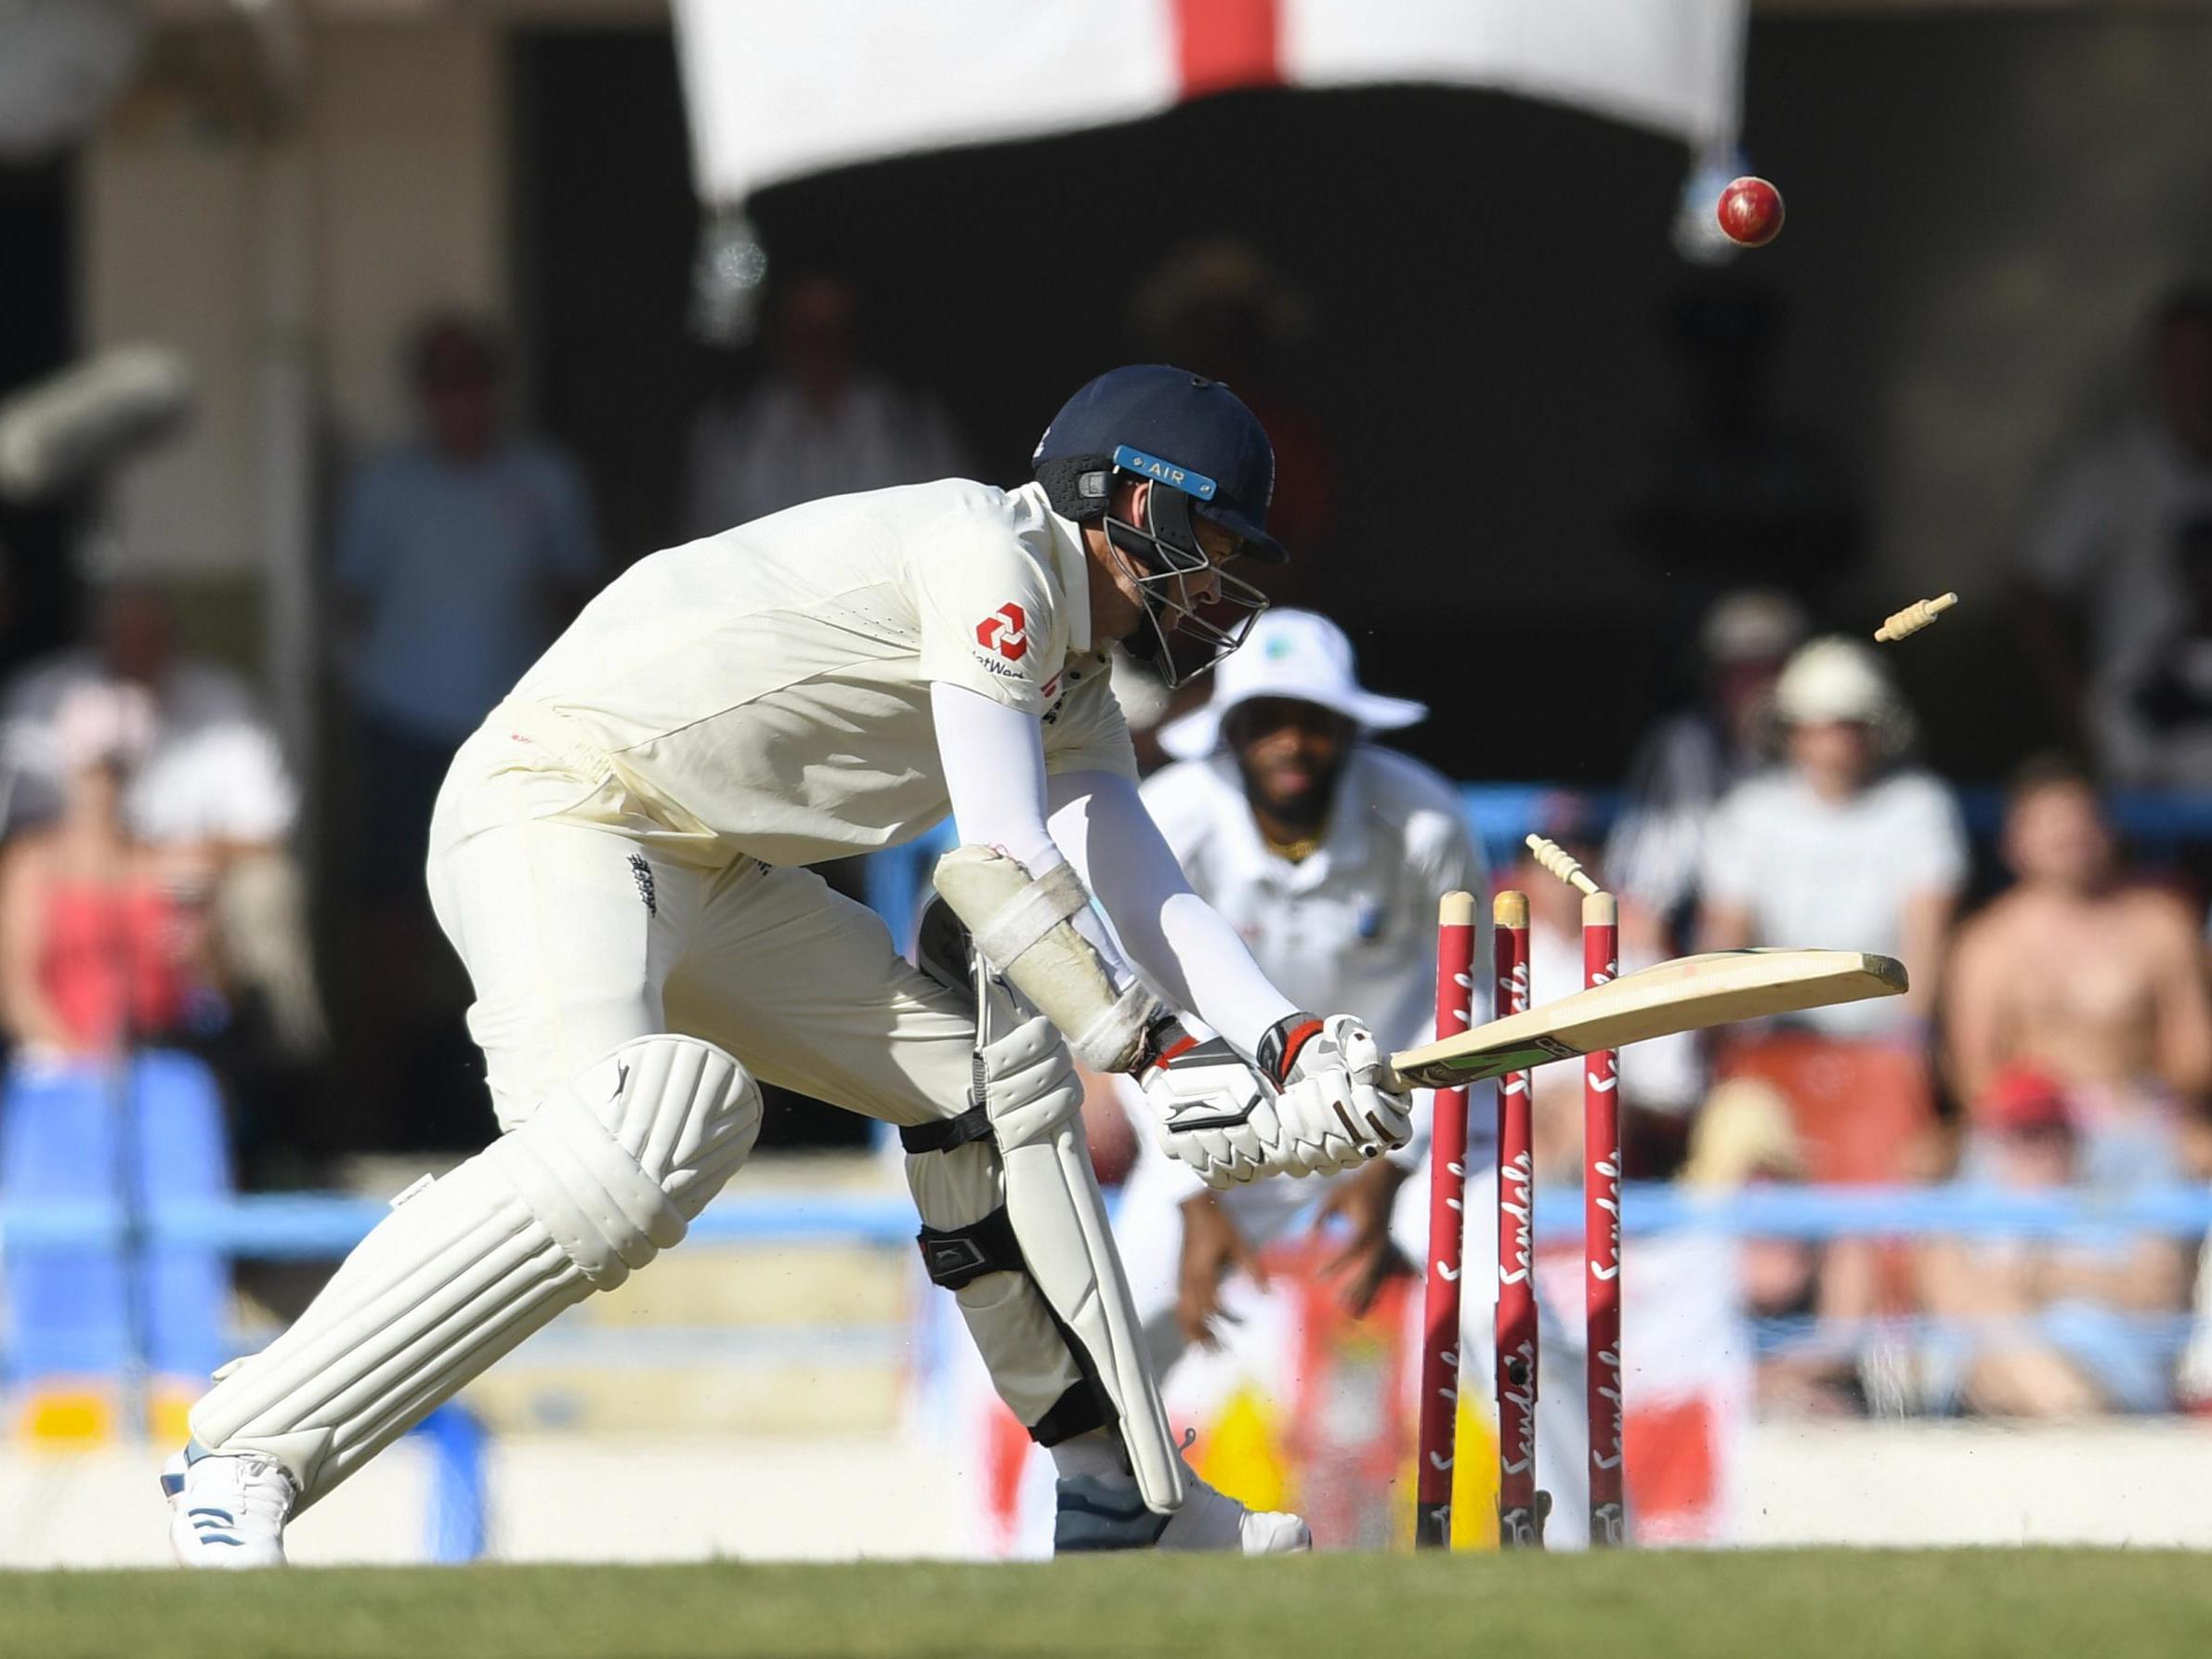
<point>320,1226</point>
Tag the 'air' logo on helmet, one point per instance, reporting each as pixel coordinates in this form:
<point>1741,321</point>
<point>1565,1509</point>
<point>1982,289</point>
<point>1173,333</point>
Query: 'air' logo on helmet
<point>1006,631</point>
<point>1165,472</point>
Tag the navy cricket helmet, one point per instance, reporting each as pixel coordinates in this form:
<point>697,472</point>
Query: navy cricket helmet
<point>1207,458</point>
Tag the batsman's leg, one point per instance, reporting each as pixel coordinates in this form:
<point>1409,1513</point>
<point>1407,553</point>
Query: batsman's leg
<point>618,1132</point>
<point>604,1174</point>
<point>805,985</point>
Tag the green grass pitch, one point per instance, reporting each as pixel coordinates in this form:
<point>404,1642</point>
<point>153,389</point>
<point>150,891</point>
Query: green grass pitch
<point>1638,1605</point>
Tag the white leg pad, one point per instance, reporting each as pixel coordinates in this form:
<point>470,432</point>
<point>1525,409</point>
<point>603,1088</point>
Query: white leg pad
<point>604,1175</point>
<point>1058,1213</point>
<point>1036,1169</point>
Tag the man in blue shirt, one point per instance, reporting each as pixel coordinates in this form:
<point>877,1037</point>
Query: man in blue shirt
<point>460,556</point>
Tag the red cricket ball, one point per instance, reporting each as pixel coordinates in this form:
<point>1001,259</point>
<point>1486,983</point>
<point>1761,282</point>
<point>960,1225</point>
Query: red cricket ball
<point>1750,212</point>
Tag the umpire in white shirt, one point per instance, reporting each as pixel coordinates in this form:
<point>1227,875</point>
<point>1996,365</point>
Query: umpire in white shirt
<point>1328,853</point>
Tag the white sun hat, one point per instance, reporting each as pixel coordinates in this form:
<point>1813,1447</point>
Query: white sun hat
<point>1838,679</point>
<point>1294,654</point>
<point>1833,679</point>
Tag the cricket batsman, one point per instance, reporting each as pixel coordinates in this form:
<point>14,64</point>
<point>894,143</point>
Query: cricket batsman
<point>1327,852</point>
<point>619,855</point>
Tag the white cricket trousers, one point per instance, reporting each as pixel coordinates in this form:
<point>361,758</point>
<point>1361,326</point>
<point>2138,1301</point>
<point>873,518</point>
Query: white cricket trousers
<point>583,926</point>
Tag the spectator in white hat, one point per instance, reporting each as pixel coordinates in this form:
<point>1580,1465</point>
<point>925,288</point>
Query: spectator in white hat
<point>1845,845</point>
<point>1329,852</point>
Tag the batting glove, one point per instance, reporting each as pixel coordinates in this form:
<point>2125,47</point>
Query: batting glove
<point>1311,1106</point>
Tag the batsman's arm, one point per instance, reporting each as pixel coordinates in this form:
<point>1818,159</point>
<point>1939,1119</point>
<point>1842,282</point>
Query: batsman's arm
<point>1283,1092</point>
<point>993,757</point>
<point>994,772</point>
<point>1329,1099</point>
<point>1182,944</point>
<point>1308,1094</point>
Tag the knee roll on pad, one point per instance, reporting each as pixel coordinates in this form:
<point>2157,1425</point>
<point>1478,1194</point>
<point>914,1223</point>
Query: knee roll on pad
<point>606,1173</point>
<point>615,1164</point>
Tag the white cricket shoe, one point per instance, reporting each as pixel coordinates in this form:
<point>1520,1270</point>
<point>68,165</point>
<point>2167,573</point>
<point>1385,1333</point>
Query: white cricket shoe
<point>1093,1515</point>
<point>227,1509</point>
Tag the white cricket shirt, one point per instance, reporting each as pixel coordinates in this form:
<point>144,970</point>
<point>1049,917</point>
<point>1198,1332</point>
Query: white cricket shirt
<point>1835,875</point>
<point>766,690</point>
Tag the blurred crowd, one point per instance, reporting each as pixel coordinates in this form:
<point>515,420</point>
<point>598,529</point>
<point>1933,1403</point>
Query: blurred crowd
<point>2057,1037</point>
<point>2057,1040</point>
<point>2056,1044</point>
<point>148,891</point>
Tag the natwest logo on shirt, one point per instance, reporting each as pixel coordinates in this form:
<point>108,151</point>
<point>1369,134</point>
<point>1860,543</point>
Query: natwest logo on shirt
<point>1006,631</point>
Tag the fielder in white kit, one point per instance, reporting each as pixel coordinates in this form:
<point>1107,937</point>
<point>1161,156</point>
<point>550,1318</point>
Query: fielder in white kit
<point>617,856</point>
<point>1329,852</point>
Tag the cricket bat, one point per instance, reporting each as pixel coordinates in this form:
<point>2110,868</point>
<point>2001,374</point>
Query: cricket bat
<point>1687,993</point>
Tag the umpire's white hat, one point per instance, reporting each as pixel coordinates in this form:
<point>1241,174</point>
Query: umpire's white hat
<point>1291,654</point>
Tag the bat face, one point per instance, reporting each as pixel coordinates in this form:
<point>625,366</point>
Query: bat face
<point>1685,995</point>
